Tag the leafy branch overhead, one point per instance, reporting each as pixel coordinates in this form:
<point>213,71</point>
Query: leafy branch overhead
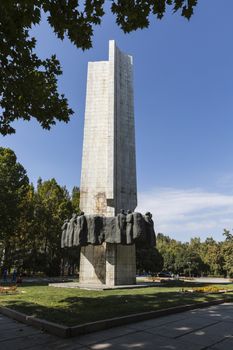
<point>28,84</point>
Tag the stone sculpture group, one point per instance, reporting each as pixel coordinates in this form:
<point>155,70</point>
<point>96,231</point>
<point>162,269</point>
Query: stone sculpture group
<point>125,229</point>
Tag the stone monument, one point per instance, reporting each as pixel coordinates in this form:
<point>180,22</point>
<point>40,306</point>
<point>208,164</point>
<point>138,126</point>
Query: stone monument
<point>108,177</point>
<point>107,228</point>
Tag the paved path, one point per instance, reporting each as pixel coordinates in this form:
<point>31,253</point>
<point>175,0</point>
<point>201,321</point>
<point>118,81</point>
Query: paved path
<point>210,328</point>
<point>212,280</point>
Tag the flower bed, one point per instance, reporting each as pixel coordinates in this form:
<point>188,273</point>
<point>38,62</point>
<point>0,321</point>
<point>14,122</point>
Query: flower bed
<point>207,289</point>
<point>8,290</point>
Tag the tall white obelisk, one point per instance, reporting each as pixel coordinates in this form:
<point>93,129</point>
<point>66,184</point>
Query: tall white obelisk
<point>108,177</point>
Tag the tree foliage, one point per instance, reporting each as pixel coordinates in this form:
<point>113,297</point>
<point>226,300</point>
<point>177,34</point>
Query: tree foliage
<point>31,218</point>
<point>13,190</point>
<point>148,259</point>
<point>52,206</point>
<point>196,257</point>
<point>132,15</point>
<point>227,252</point>
<point>28,84</point>
<point>75,199</point>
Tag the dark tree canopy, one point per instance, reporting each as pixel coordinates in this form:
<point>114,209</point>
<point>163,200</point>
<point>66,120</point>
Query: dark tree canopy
<point>13,186</point>
<point>13,190</point>
<point>28,84</point>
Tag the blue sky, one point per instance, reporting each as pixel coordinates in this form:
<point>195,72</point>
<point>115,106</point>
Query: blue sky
<point>183,85</point>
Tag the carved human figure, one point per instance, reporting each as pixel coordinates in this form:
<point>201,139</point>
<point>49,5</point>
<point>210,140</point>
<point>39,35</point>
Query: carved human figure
<point>76,232</point>
<point>82,229</point>
<point>99,231</point>
<point>150,232</point>
<point>138,226</point>
<point>71,229</point>
<point>109,229</point>
<point>121,227</point>
<point>129,227</point>
<point>64,233</point>
<point>94,229</point>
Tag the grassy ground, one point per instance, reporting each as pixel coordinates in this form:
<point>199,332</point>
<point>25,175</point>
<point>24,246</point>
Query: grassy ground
<point>74,306</point>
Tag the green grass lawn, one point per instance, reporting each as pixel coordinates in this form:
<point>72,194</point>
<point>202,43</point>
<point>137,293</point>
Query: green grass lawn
<point>74,306</point>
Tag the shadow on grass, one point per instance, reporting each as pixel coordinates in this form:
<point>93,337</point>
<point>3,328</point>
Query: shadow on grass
<point>74,310</point>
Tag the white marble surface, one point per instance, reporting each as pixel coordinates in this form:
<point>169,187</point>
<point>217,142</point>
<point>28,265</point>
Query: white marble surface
<point>108,178</point>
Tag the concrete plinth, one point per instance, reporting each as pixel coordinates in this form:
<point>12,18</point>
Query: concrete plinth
<point>120,264</point>
<point>92,265</point>
<point>107,264</point>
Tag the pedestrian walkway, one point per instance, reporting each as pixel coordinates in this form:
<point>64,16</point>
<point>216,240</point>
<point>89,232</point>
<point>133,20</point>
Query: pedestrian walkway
<point>203,329</point>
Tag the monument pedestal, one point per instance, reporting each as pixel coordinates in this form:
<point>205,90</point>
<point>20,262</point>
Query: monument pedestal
<point>107,264</point>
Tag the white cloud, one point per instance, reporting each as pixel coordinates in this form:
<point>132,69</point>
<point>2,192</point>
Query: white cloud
<point>186,213</point>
